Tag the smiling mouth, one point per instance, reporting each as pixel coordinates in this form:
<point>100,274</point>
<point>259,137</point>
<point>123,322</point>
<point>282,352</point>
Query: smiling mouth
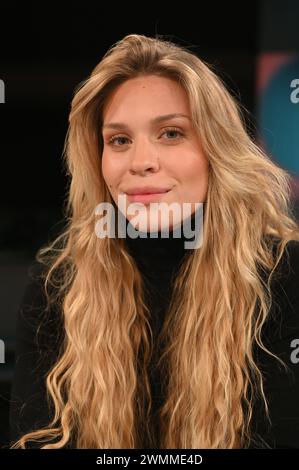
<point>147,198</point>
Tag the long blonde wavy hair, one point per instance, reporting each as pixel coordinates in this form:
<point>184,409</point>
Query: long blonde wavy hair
<point>99,386</point>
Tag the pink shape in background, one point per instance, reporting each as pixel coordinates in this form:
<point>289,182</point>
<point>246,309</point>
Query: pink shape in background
<point>267,64</point>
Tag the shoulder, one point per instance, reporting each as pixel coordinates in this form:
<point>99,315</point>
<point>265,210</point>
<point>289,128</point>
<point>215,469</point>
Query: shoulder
<point>282,324</point>
<point>280,335</point>
<point>34,294</point>
<point>38,320</point>
<point>286,276</point>
<point>290,257</point>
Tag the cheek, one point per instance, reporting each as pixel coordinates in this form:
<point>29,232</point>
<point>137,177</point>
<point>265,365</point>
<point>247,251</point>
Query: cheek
<point>105,167</point>
<point>112,170</point>
<point>195,177</point>
<point>195,169</point>
<point>109,173</point>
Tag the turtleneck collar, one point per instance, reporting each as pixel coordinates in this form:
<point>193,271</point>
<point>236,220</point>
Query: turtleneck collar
<point>158,256</point>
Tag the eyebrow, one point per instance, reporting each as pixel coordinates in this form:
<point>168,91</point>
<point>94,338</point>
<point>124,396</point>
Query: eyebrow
<point>158,119</point>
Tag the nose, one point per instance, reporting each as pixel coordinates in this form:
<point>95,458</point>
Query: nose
<point>144,157</point>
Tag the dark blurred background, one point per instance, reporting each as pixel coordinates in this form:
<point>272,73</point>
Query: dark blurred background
<point>46,51</point>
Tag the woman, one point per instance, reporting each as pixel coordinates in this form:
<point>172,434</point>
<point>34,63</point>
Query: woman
<point>139,342</point>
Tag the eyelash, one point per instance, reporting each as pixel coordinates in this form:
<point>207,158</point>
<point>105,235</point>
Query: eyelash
<point>170,129</point>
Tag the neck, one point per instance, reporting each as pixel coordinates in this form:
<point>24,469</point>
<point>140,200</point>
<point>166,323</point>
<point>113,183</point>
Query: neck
<point>157,255</point>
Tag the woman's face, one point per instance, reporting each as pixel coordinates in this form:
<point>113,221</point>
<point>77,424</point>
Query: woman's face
<point>146,147</point>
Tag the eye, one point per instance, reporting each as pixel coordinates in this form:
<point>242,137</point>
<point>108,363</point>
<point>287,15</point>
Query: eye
<point>121,138</point>
<point>173,130</point>
<point>112,140</point>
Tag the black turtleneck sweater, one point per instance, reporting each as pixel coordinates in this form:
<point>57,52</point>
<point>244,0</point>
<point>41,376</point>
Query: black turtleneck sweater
<point>158,260</point>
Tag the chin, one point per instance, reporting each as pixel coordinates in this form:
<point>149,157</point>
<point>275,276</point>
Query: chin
<point>153,218</point>
<point>145,224</point>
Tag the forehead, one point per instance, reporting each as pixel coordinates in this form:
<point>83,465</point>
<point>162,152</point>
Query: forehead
<point>147,95</point>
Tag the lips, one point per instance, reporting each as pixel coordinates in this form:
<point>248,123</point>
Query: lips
<point>147,194</point>
<point>147,190</point>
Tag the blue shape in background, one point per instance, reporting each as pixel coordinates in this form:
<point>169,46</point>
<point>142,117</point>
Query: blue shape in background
<point>279,118</point>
